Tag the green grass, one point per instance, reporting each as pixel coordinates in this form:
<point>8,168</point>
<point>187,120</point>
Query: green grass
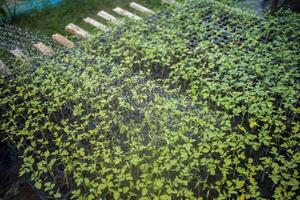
<point>54,19</point>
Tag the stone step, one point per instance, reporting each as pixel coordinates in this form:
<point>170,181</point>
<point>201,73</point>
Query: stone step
<point>109,17</point>
<point>43,48</point>
<point>95,23</point>
<point>4,69</point>
<point>62,40</point>
<point>141,8</point>
<point>19,55</point>
<point>76,30</point>
<point>126,13</point>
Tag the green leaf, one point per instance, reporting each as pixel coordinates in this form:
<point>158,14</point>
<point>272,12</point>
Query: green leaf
<point>240,184</point>
<point>158,183</point>
<point>57,195</point>
<point>116,195</point>
<point>252,122</point>
<point>38,185</point>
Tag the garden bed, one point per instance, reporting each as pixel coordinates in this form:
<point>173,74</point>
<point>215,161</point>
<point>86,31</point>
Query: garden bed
<point>198,101</point>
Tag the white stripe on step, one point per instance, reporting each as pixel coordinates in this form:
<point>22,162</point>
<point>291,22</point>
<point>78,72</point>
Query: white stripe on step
<point>126,13</point>
<point>4,69</point>
<point>62,40</point>
<point>169,1</point>
<point>141,8</point>
<point>19,55</point>
<point>109,17</point>
<point>95,23</point>
<point>41,47</point>
<point>76,30</point>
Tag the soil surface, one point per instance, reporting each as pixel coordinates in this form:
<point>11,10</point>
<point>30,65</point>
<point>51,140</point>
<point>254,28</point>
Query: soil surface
<point>11,186</point>
<point>264,5</point>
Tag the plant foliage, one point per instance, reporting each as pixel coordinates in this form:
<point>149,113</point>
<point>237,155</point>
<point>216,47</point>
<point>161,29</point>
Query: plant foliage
<point>197,102</point>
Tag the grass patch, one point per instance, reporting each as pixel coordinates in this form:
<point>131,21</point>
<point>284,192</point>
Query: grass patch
<point>54,19</point>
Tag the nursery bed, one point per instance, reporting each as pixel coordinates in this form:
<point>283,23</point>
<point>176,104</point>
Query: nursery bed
<point>200,101</point>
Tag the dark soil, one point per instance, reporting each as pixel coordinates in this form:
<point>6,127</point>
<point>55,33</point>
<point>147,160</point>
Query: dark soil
<point>265,5</point>
<point>11,186</point>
